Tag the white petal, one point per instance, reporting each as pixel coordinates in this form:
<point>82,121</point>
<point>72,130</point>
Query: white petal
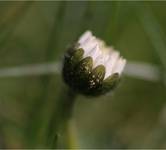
<point>88,46</point>
<point>101,43</point>
<point>94,53</point>
<point>101,54</point>
<point>111,62</point>
<point>99,61</point>
<point>85,37</point>
<point>106,54</point>
<point>119,66</point>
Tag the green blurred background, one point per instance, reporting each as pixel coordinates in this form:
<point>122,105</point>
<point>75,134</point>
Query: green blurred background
<point>33,32</point>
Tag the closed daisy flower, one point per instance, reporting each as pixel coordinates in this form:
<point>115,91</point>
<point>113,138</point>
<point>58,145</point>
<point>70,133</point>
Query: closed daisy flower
<point>91,67</point>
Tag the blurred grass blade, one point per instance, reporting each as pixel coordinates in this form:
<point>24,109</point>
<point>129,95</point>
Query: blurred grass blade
<point>31,70</point>
<point>35,125</point>
<point>15,12</point>
<point>73,135</point>
<point>153,30</point>
<point>111,29</point>
<point>12,19</point>
<point>143,71</point>
<point>137,70</point>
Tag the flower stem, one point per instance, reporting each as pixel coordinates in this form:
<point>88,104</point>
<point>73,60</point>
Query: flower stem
<point>58,125</point>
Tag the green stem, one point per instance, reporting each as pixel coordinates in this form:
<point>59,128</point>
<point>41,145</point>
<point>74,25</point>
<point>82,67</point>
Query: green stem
<point>57,135</point>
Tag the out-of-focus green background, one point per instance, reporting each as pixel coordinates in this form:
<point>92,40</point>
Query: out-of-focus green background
<point>133,116</point>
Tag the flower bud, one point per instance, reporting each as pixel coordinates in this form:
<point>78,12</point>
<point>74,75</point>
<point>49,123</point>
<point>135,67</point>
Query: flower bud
<point>92,68</point>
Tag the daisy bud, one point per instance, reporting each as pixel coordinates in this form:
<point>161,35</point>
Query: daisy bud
<point>92,68</point>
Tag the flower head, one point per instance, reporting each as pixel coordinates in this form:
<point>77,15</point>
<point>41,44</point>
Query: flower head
<point>91,67</point>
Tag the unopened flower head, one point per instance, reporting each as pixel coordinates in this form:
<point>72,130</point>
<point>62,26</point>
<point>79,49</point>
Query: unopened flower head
<point>91,67</point>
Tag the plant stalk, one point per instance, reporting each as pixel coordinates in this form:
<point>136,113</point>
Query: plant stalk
<point>58,126</point>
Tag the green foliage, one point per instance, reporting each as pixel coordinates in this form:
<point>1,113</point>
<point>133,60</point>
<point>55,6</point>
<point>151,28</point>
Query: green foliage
<point>37,31</point>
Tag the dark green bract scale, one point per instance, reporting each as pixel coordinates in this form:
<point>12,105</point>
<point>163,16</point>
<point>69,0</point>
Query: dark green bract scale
<point>79,74</point>
<point>110,83</point>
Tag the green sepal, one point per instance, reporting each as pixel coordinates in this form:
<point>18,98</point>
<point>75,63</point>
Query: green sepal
<point>84,67</point>
<point>98,73</point>
<point>74,57</point>
<point>110,83</point>
<point>95,80</point>
<point>71,59</point>
<point>78,55</point>
<point>72,49</point>
<point>82,73</point>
